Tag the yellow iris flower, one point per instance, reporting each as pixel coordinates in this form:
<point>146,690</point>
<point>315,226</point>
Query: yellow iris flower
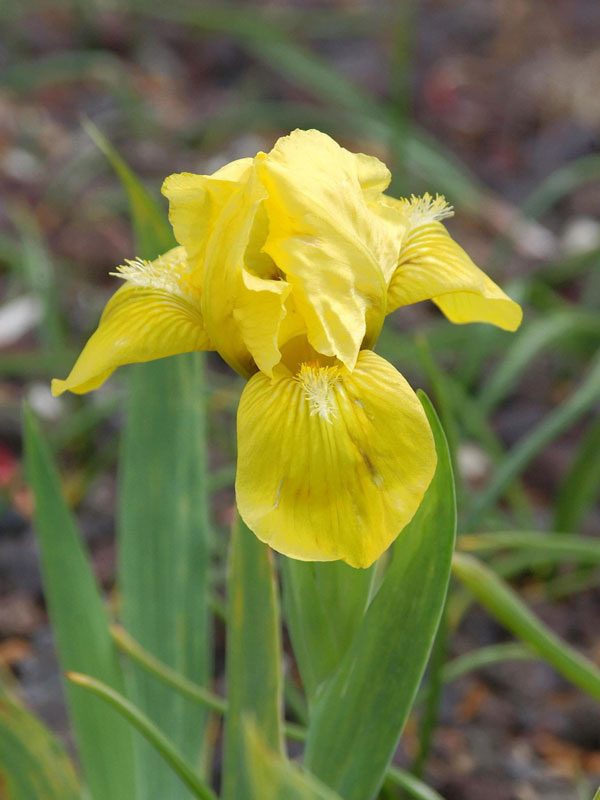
<point>287,266</point>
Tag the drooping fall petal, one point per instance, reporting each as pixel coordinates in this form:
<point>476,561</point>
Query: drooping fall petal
<point>432,266</point>
<point>141,323</point>
<point>332,463</point>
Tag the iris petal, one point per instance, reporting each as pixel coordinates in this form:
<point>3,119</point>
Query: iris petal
<point>195,202</point>
<point>433,266</point>
<point>139,323</point>
<point>332,464</point>
<point>329,238</point>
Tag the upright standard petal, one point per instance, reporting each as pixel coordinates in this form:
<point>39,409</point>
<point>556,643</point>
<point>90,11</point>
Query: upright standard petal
<point>244,294</point>
<point>432,266</point>
<point>195,202</point>
<point>155,314</point>
<point>332,463</point>
<point>328,240</point>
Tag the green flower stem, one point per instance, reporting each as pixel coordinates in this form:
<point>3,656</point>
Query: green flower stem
<point>149,730</point>
<point>128,645</point>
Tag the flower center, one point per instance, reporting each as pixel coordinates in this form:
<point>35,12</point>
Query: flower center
<point>318,384</point>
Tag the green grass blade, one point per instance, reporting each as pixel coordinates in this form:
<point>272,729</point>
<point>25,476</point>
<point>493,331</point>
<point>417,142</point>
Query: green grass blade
<point>189,689</point>
<point>581,485</point>
<point>411,785</point>
<point>273,777</point>
<point>254,671</point>
<point>161,743</point>
<point>561,183</point>
<point>163,520</point>
<point>534,338</point>
<point>154,666</point>
<point>81,627</point>
<point>359,715</point>
<point>33,763</point>
<point>507,607</point>
<point>324,606</point>
<point>557,546</point>
<point>525,450</point>
<point>486,657</point>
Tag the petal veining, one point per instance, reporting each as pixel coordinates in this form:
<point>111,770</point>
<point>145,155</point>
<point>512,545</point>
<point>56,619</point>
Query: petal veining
<point>332,464</point>
<point>432,266</point>
<point>243,311</point>
<point>140,323</point>
<point>329,238</point>
<point>195,203</point>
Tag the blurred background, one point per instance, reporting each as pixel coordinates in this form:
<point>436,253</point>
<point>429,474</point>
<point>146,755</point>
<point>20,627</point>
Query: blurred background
<point>494,103</point>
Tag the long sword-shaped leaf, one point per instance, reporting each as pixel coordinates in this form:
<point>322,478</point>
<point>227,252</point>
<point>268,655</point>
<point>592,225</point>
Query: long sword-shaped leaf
<point>163,551</point>
<point>151,231</point>
<point>33,763</point>
<point>254,676</point>
<point>163,562</point>
<point>359,715</point>
<point>80,623</point>
<point>324,605</point>
<point>508,608</point>
<point>272,777</point>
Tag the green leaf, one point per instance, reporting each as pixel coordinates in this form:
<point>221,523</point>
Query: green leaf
<point>561,183</point>
<point>557,421</point>
<point>163,520</point>
<point>81,627</point>
<point>273,777</point>
<point>163,551</point>
<point>152,232</point>
<point>324,605</point>
<point>540,334</point>
<point>254,673</point>
<point>163,530</point>
<point>556,546</point>
<point>411,785</point>
<point>33,763</point>
<point>165,748</point>
<point>507,607</point>
<point>486,657</point>
<point>359,715</point>
<point>189,689</point>
<point>581,485</point>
